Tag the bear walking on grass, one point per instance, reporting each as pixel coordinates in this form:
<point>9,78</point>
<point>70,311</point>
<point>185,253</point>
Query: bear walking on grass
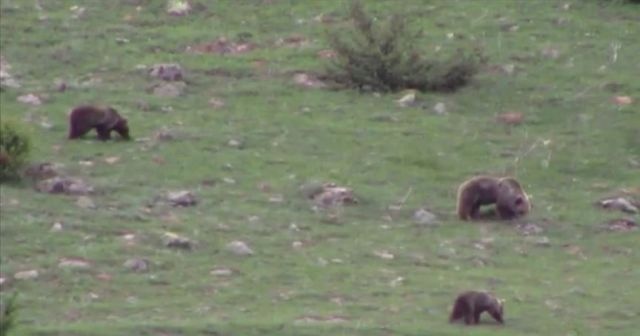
<point>83,118</point>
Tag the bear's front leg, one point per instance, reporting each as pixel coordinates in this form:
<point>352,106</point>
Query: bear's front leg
<point>103,133</point>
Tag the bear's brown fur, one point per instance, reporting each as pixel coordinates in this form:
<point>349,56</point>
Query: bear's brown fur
<point>470,305</point>
<point>506,193</point>
<point>104,119</point>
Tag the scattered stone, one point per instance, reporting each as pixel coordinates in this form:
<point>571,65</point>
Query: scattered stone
<point>64,185</point>
<point>216,103</point>
<point>440,108</point>
<point>509,27</point>
<point>622,225</point>
<point>239,248</point>
<point>167,71</point>
<point>45,123</point>
<point>320,320</point>
<point>86,163</point>
<point>575,250</point>
<point>622,100</point>
<point>539,240</point>
<point>529,229</point>
<point>619,203</point>
<point>182,198</point>
<point>297,244</point>
<point>112,160</point>
<point>326,18</point>
<point>41,171</point>
<point>329,194</point>
<point>60,85</point>
<point>308,80</point>
<point>4,282</point>
<point>327,54</point>
<point>228,180</point>
<point>178,7</point>
<point>295,41</point>
<point>310,189</point>
<point>235,143</point>
<point>551,53</point>
<point>137,264</point>
<point>173,240</point>
<point>6,79</point>
<point>222,46</point>
<point>30,99</point>
<point>511,118</point>
<point>222,272</point>
<point>129,238</point>
<point>56,227</point>
<point>386,255</point>
<point>75,263</point>
<point>78,12</point>
<point>408,99</point>
<point>164,134</point>
<point>423,217</point>
<point>508,69</point>
<point>26,275</point>
<point>85,202</point>
<point>553,305</point>
<point>169,90</point>
<point>560,21</point>
<point>397,281</point>
<point>276,198</point>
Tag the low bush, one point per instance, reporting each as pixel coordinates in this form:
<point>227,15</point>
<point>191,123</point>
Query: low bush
<point>8,311</point>
<point>15,145</point>
<point>385,58</point>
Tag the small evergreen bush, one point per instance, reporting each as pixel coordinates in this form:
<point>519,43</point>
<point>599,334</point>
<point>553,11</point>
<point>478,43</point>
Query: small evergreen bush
<point>14,149</point>
<point>385,58</point>
<point>8,310</point>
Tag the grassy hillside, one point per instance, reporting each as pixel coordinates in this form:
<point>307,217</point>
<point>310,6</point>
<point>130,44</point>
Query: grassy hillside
<point>367,269</point>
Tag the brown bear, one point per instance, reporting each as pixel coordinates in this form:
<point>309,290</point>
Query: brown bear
<point>470,305</point>
<point>506,193</point>
<point>83,118</point>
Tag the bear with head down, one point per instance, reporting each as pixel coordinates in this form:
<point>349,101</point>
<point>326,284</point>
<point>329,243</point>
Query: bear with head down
<point>84,118</point>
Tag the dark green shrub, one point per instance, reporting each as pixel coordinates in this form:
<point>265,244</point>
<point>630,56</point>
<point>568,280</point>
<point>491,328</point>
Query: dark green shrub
<point>8,310</point>
<point>385,58</point>
<point>14,149</point>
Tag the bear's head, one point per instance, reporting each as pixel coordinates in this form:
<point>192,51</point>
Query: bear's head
<point>122,128</point>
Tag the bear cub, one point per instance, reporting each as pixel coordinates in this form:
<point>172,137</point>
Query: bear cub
<point>470,305</point>
<point>510,199</point>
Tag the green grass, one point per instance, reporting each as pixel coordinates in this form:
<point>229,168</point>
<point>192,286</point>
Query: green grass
<point>574,148</point>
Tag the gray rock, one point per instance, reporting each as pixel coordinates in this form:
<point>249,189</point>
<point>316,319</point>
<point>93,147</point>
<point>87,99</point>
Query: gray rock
<point>173,240</point>
<point>30,99</point>
<point>424,217</point>
<point>85,202</point>
<point>182,198</point>
<point>74,263</point>
<point>440,108</point>
<point>167,71</point>
<point>137,264</point>
<point>169,90</point>
<point>619,203</point>
<point>26,275</point>
<point>239,248</point>
<point>64,185</point>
